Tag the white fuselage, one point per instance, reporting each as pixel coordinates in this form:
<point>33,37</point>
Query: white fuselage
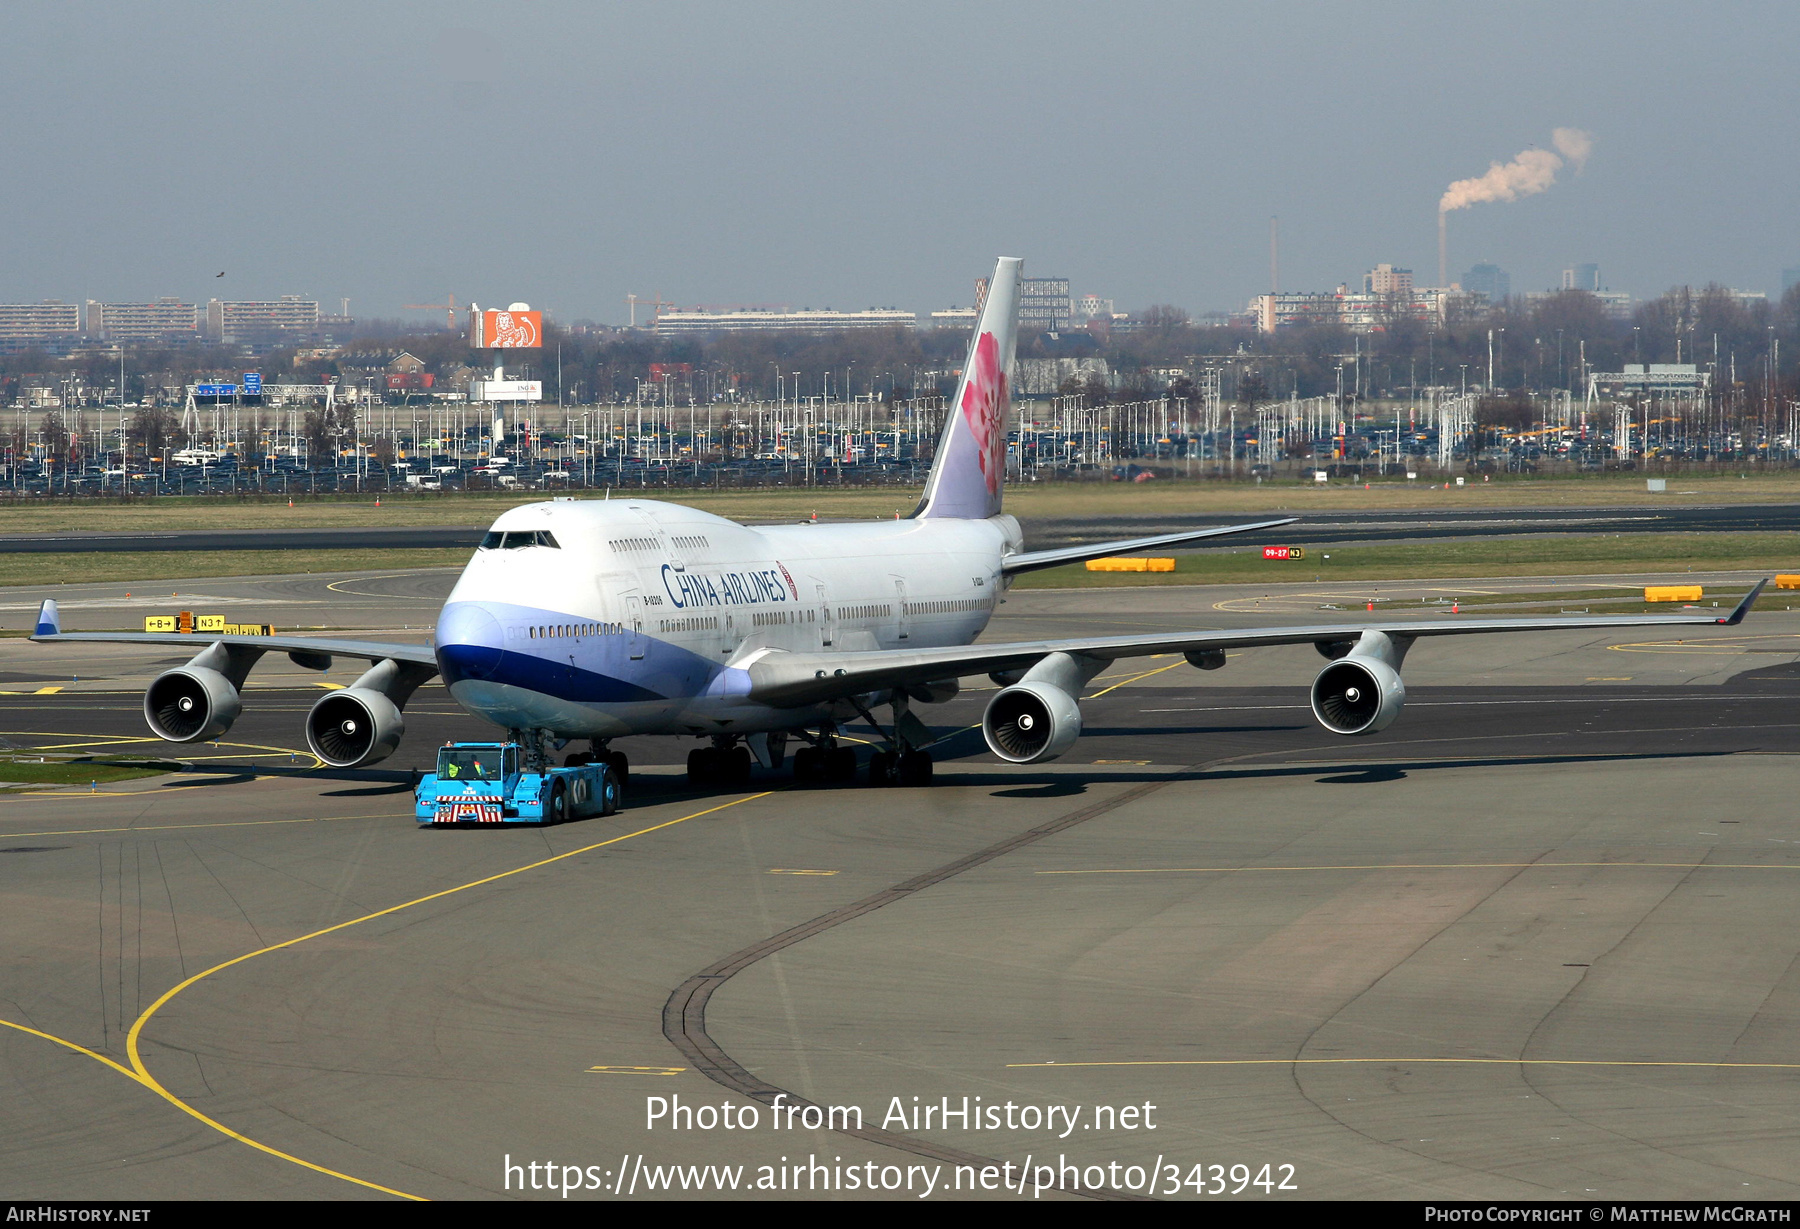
<point>601,618</point>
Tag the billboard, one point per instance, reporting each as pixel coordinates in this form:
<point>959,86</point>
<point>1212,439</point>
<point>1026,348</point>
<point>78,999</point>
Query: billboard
<point>506,329</point>
<point>506,390</point>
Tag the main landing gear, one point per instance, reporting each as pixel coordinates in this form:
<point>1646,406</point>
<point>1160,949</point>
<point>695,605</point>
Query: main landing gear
<point>825,764</point>
<point>723,765</point>
<point>905,767</point>
<point>598,754</point>
<point>726,764</point>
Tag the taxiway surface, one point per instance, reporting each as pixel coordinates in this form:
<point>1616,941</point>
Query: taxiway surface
<point>1536,940</point>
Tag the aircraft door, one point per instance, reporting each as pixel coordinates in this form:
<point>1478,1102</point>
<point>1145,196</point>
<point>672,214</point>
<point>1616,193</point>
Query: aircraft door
<point>827,620</point>
<point>900,606</point>
<point>634,629</point>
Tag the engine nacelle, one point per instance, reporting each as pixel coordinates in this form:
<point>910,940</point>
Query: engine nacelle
<point>353,727</point>
<point>1357,695</point>
<point>191,704</point>
<point>1031,722</point>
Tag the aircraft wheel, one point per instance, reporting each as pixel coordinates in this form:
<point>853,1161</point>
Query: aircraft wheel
<point>557,810</point>
<point>621,766</point>
<point>915,768</point>
<point>807,766</point>
<point>840,765</point>
<point>703,766</point>
<point>577,759</point>
<point>736,766</point>
<point>881,768</point>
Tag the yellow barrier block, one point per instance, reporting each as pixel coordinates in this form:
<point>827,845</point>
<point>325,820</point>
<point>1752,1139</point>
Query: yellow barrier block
<point>1787,582</point>
<point>1672,593</point>
<point>159,623</point>
<point>1121,564</point>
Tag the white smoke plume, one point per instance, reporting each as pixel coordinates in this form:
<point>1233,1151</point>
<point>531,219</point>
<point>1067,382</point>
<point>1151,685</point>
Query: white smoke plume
<point>1526,175</point>
<point>1573,144</point>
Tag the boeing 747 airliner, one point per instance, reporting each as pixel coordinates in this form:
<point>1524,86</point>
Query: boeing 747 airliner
<point>600,618</point>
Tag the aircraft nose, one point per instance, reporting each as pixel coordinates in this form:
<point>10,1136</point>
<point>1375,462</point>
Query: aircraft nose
<point>469,642</point>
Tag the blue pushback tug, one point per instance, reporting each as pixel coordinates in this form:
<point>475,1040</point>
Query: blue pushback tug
<point>488,783</point>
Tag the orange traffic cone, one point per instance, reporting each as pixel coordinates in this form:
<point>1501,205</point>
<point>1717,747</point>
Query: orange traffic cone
<point>1453,607</point>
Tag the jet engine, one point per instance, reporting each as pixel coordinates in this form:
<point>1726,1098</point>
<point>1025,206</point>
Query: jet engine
<point>1037,718</point>
<point>1361,692</point>
<point>200,700</point>
<point>362,723</point>
<point>353,727</point>
<point>191,704</point>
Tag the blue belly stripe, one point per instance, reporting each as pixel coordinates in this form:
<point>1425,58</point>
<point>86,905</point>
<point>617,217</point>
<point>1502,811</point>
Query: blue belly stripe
<point>480,663</point>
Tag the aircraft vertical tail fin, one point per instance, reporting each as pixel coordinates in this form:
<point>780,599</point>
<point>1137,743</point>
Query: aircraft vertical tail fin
<point>970,467</point>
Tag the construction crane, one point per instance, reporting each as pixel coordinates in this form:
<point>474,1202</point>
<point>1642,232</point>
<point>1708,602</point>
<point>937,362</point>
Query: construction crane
<point>657,304</point>
<point>448,307</point>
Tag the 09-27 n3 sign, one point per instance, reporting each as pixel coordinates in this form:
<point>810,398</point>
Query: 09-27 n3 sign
<point>1284,552</point>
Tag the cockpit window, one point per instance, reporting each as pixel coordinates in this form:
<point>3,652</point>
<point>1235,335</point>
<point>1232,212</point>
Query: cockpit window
<point>514,539</point>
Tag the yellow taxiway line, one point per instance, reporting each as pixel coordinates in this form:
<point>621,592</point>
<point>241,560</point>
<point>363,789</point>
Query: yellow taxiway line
<point>140,1072</point>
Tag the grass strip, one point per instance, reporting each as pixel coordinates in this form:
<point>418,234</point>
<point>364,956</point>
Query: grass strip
<point>1671,555</point>
<point>74,772</point>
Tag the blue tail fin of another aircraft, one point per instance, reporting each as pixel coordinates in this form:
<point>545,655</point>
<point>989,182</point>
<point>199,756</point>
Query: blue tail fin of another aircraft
<point>970,467</point>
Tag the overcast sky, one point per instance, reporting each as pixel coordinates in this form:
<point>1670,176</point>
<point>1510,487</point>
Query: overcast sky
<point>857,155</point>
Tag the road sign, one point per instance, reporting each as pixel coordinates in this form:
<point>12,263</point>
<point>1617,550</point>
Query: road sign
<point>1284,552</point>
<point>252,384</point>
<point>215,390</point>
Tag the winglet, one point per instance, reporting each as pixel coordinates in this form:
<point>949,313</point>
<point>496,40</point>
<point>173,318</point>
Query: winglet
<point>1743,608</point>
<point>49,622</point>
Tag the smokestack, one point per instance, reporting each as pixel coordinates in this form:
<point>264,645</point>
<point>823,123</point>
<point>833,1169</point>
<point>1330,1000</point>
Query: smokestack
<point>1274,255</point>
<point>1443,252</point>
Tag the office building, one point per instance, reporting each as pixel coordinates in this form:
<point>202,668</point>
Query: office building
<point>1091,307</point>
<point>1387,280</point>
<point>1044,304</point>
<point>1581,277</point>
<point>1490,280</point>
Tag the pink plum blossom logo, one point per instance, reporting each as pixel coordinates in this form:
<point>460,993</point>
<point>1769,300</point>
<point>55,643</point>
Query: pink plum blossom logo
<point>984,406</point>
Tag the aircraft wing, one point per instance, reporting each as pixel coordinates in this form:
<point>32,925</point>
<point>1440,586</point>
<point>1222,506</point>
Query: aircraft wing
<point>1031,561</point>
<point>788,679</point>
<point>305,650</point>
